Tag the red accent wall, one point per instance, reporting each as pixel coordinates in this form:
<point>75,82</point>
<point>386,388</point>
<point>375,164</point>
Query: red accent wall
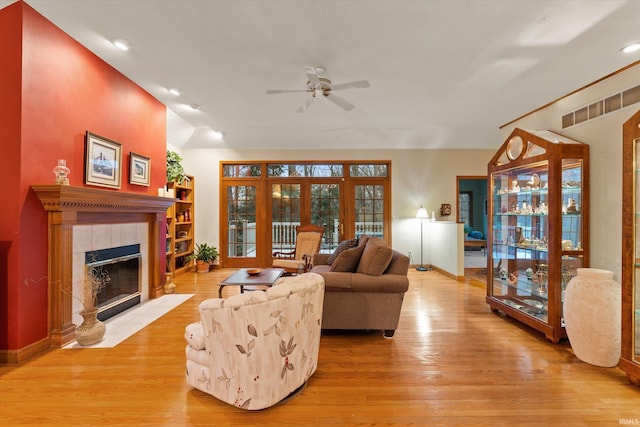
<point>53,91</point>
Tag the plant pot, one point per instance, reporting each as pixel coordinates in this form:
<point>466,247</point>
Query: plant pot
<point>92,330</point>
<point>202,266</point>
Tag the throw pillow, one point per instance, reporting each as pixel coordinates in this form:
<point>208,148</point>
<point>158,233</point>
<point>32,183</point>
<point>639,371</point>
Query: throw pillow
<point>476,235</point>
<point>194,335</point>
<point>348,260</point>
<point>343,246</point>
<point>375,259</point>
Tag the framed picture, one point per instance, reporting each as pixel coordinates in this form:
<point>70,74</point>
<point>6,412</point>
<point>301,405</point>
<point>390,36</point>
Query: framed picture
<point>103,161</point>
<point>139,169</point>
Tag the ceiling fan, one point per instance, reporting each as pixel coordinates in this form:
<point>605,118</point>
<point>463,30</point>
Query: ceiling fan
<point>319,85</point>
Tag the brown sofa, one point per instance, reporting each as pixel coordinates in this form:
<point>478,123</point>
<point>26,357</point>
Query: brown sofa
<point>364,286</point>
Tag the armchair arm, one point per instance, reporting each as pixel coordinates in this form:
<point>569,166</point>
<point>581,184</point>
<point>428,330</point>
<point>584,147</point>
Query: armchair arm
<point>308,262</point>
<point>284,255</point>
<point>320,259</point>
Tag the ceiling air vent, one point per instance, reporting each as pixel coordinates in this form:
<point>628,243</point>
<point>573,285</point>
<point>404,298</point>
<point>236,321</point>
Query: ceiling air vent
<point>603,106</point>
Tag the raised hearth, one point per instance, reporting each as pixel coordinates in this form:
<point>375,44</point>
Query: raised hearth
<point>69,206</point>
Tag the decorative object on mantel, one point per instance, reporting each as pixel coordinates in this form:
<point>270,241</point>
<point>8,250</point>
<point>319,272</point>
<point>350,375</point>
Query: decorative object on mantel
<point>61,171</point>
<point>592,312</point>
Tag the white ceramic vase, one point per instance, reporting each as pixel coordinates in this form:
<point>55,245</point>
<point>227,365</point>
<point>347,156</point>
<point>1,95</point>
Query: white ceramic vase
<point>592,316</point>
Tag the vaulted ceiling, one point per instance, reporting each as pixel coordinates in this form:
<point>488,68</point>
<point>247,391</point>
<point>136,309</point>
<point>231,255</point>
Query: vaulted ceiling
<point>442,73</point>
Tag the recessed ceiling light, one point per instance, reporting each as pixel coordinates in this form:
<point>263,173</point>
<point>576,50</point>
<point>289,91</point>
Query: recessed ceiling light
<point>217,136</point>
<point>630,48</point>
<point>195,106</point>
<point>174,91</point>
<point>121,44</point>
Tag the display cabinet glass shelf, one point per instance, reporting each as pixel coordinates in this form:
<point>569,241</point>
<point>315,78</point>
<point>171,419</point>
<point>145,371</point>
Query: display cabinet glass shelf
<point>630,351</point>
<point>180,226</point>
<point>538,226</point>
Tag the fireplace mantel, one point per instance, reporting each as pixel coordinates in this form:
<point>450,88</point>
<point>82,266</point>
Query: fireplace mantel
<point>68,206</point>
<point>85,199</point>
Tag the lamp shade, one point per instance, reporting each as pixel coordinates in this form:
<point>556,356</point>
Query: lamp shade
<point>422,213</point>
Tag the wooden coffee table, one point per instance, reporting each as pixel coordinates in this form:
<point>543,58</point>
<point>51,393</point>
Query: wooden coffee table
<point>240,278</point>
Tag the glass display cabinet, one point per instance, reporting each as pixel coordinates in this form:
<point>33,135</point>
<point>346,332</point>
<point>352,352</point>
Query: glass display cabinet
<point>538,226</point>
<point>630,351</point>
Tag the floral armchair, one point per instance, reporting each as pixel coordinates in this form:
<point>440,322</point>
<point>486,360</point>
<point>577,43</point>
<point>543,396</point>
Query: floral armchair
<point>256,348</point>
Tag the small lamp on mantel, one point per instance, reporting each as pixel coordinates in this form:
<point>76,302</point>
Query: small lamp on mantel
<point>421,215</point>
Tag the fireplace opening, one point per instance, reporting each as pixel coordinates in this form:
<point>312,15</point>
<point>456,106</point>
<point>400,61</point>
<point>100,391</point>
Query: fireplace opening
<point>122,267</point>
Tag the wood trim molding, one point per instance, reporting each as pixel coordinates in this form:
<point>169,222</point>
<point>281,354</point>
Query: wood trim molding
<point>68,206</point>
<point>85,199</point>
<point>509,123</point>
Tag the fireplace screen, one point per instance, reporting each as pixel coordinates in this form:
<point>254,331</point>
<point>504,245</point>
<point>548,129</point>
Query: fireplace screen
<point>121,267</point>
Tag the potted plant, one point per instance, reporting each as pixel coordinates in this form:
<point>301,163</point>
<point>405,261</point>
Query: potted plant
<point>175,171</point>
<point>204,256</point>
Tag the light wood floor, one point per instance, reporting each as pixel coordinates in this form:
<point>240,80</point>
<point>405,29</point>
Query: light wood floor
<point>451,362</point>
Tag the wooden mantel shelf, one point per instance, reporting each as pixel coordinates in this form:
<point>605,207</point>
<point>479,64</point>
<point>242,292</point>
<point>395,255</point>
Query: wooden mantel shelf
<point>85,199</point>
<point>68,206</point>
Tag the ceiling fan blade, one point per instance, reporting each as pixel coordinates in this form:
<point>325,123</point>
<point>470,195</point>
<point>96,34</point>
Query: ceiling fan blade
<point>272,91</point>
<point>340,102</point>
<point>306,105</point>
<point>312,74</point>
<point>349,85</point>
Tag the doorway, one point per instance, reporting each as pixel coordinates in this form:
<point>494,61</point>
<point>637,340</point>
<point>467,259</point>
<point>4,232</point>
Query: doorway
<point>472,211</point>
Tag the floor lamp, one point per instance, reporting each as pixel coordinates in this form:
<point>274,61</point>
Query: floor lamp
<point>421,215</point>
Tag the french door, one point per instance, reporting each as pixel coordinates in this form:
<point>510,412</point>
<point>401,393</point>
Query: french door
<point>305,202</point>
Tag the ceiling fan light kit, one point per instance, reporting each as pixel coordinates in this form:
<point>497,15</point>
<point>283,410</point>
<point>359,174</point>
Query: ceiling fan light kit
<point>319,85</point>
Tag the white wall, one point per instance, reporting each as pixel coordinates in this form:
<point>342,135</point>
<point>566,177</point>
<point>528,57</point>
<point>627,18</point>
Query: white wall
<point>604,136</point>
<point>425,177</point>
<point>446,241</point>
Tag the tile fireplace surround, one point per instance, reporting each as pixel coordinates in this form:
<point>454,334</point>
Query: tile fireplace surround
<point>69,207</point>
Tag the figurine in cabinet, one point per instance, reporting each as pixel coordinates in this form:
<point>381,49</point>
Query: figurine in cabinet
<point>529,273</point>
<point>535,181</point>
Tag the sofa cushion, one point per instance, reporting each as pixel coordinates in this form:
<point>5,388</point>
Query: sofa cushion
<point>348,260</point>
<point>375,258</point>
<point>343,246</point>
<point>194,335</point>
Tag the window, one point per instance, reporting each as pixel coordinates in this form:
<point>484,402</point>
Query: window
<point>465,203</point>
<point>265,201</point>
